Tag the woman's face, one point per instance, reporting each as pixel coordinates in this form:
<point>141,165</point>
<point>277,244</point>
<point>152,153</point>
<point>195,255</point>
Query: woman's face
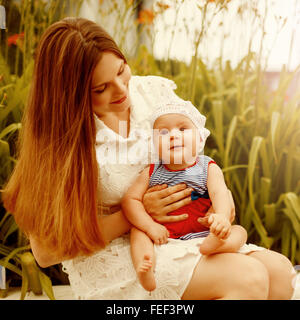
<point>110,85</point>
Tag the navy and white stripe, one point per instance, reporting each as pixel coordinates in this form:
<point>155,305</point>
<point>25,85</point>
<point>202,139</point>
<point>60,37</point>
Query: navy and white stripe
<point>194,176</point>
<point>194,235</point>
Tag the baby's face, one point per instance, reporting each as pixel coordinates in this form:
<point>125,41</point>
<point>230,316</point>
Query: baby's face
<point>176,139</point>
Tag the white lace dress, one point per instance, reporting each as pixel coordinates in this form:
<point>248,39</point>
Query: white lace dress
<point>109,273</point>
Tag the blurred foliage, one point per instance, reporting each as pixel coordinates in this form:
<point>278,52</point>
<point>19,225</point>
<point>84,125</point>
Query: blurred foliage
<point>255,130</point>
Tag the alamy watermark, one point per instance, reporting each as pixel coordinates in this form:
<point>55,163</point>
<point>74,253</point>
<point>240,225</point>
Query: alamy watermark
<point>2,17</point>
<point>143,146</point>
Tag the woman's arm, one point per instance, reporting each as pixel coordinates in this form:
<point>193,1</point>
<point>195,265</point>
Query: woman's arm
<point>113,226</point>
<point>44,255</point>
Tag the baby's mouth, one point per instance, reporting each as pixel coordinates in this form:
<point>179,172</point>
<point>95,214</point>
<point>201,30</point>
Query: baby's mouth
<point>175,147</point>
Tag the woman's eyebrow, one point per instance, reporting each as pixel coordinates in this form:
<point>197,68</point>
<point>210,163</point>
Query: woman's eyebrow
<point>101,84</point>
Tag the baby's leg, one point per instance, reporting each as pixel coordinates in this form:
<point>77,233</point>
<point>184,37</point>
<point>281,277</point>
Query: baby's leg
<point>142,253</point>
<point>212,244</point>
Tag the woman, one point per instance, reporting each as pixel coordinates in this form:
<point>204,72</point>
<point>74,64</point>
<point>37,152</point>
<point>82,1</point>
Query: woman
<point>85,136</point>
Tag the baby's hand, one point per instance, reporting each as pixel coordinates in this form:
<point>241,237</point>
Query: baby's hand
<point>219,225</point>
<point>158,233</point>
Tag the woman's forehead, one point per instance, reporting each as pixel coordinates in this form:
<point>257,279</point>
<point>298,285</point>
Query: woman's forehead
<point>108,65</point>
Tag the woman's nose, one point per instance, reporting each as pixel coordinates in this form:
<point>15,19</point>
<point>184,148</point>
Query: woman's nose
<point>120,85</point>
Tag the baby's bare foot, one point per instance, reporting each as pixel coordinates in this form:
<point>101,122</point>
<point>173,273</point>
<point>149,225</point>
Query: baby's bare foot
<point>211,244</point>
<point>146,275</point>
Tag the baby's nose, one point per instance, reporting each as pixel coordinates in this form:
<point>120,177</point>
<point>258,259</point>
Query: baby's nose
<point>175,133</point>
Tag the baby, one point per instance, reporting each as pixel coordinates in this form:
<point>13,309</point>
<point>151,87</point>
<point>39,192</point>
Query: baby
<point>179,137</point>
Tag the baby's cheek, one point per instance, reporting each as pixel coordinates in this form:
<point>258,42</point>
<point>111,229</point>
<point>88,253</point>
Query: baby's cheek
<point>198,143</point>
<point>192,141</point>
<point>165,150</point>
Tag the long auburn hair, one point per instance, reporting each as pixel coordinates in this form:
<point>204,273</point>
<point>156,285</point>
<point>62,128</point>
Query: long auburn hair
<point>52,192</point>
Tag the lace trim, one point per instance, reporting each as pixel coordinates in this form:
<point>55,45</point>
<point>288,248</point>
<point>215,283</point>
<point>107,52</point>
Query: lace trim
<point>109,274</point>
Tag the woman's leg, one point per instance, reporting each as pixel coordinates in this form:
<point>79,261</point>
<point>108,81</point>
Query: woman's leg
<point>281,273</point>
<point>228,276</point>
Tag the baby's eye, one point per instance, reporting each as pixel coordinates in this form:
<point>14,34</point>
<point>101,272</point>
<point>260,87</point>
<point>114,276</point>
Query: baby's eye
<point>182,128</point>
<point>163,131</point>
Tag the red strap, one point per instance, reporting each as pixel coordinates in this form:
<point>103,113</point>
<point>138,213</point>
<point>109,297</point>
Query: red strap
<point>151,169</point>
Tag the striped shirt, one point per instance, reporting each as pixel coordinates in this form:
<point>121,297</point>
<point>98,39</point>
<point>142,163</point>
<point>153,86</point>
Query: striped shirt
<point>195,177</point>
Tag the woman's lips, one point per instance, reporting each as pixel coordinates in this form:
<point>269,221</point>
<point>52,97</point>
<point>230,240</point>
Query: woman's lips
<point>120,101</point>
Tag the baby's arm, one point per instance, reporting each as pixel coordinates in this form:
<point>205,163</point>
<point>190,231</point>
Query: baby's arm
<point>132,206</point>
<point>218,192</point>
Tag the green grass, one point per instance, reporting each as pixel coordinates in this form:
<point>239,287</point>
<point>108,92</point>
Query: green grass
<point>255,132</point>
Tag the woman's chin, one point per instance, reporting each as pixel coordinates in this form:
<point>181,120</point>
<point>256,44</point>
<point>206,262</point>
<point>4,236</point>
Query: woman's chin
<point>122,107</point>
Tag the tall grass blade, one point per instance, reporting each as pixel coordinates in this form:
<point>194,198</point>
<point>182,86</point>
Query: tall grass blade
<point>217,109</point>
<point>32,272</point>
<point>256,143</point>
<point>270,216</point>
<point>46,285</point>
<point>229,140</point>
<point>274,128</point>
<point>25,284</point>
<point>10,129</point>
<point>285,238</point>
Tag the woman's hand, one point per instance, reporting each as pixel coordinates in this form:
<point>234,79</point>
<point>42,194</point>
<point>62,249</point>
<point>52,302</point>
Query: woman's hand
<point>161,199</point>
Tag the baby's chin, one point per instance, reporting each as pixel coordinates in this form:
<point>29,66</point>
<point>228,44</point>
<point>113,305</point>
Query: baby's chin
<point>181,161</point>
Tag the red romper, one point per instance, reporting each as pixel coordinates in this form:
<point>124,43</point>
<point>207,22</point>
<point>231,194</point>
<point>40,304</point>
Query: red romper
<point>194,176</point>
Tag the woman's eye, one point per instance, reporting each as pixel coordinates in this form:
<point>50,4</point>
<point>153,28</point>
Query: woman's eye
<point>182,128</point>
<point>121,70</point>
<point>101,89</point>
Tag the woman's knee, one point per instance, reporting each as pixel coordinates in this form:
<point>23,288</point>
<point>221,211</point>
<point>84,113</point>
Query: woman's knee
<point>256,280</point>
<point>249,280</point>
<point>228,276</point>
<point>281,273</point>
